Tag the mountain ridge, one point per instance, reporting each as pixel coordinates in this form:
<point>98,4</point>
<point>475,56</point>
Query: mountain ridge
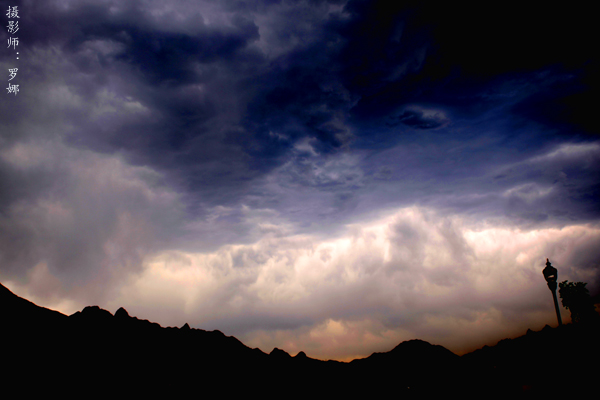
<point>93,345</point>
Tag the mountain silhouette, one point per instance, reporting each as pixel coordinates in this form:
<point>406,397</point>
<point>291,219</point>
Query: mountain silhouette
<point>93,352</point>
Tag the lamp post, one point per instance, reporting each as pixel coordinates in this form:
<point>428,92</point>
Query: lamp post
<point>551,275</point>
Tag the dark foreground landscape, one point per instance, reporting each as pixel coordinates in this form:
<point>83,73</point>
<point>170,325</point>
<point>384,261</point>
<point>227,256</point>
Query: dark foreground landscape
<point>94,352</point>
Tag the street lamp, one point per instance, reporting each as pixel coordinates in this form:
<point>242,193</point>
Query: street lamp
<point>551,275</point>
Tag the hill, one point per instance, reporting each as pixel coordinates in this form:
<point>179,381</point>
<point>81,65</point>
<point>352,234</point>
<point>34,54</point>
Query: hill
<point>95,352</point>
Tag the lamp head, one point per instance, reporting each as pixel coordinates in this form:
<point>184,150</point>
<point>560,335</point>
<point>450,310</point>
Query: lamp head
<point>550,273</point>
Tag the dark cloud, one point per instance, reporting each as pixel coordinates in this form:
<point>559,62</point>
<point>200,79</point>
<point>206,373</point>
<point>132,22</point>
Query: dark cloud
<point>420,119</point>
<point>301,96</point>
<point>565,102</point>
<point>451,55</point>
<point>242,92</point>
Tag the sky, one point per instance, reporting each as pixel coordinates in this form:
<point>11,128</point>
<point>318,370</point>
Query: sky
<point>334,177</point>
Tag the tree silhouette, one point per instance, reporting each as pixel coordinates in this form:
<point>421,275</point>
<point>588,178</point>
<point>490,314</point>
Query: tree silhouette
<point>576,298</point>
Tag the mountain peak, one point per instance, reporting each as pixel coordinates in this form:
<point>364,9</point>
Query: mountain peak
<point>122,313</point>
<point>281,354</point>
